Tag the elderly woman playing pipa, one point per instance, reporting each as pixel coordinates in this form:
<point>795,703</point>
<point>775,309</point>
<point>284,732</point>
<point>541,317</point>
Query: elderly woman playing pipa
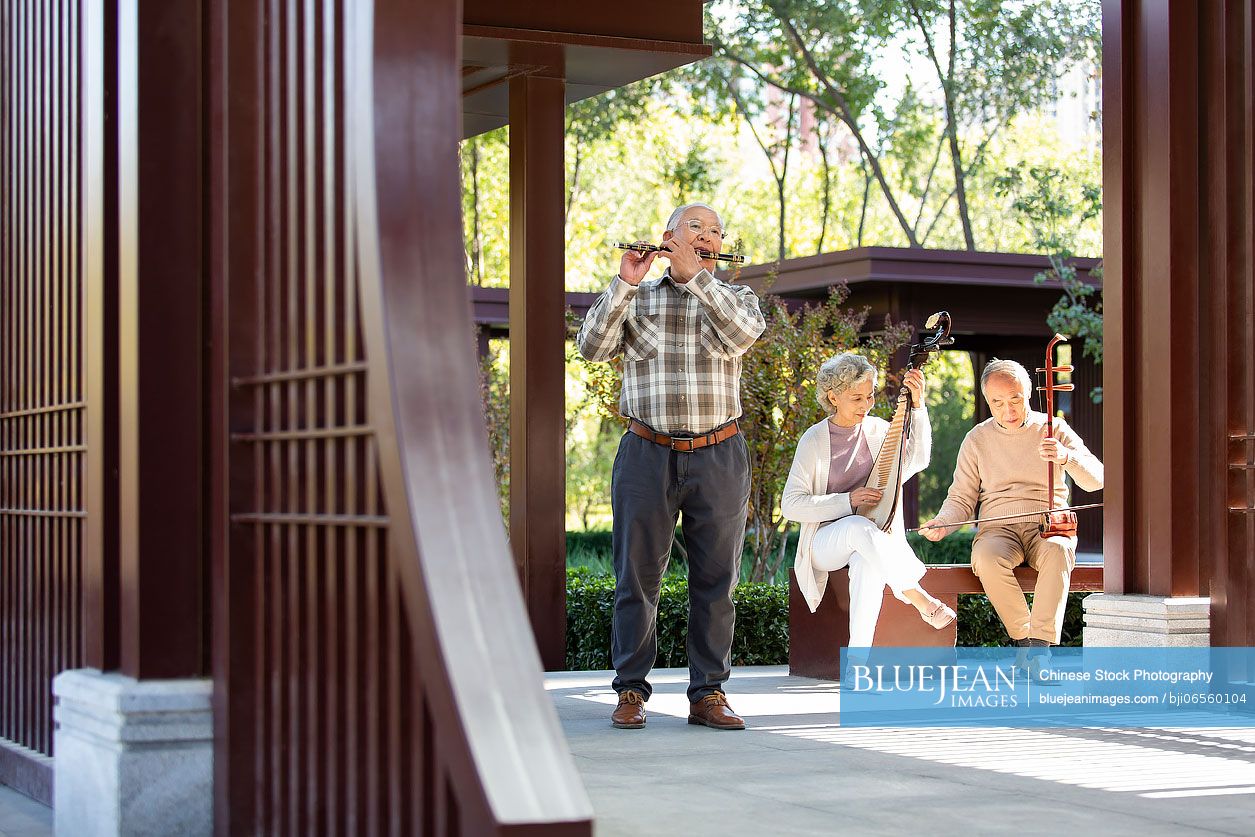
<point>827,483</point>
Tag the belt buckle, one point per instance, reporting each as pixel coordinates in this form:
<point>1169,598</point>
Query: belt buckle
<point>677,439</point>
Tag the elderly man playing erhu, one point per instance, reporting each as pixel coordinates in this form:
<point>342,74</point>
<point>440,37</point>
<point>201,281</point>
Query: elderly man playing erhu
<point>1000,472</point>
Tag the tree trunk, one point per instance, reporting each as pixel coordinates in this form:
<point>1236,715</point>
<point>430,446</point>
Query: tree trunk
<point>847,116</point>
<point>862,216</point>
<point>477,244</point>
<point>827,202</point>
<point>960,186</point>
<point>784,174</point>
<point>575,178</point>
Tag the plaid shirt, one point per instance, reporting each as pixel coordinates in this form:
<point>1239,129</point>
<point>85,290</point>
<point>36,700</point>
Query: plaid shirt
<point>681,347</point>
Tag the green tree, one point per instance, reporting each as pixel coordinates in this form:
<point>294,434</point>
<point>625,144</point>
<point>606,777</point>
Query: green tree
<point>1052,206</point>
<point>773,129</point>
<point>494,389</point>
<point>990,59</point>
<point>951,407</point>
<point>595,120</point>
<point>485,161</point>
<point>590,462</point>
<point>779,403</point>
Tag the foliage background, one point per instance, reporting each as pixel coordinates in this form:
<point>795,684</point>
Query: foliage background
<point>761,134</point>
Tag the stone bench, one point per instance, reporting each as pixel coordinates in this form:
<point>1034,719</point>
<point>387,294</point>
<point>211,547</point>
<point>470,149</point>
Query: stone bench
<point>815,637</point>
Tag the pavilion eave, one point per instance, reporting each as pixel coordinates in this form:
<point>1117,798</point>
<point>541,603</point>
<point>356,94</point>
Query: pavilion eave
<point>590,65</point>
<point>813,275</point>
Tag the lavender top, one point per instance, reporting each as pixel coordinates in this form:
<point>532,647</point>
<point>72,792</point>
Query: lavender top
<point>851,460</point>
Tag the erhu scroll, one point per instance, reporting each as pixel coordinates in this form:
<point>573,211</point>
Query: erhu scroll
<point>886,475</point>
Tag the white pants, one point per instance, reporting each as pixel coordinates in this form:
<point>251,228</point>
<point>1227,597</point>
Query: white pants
<point>875,558</point>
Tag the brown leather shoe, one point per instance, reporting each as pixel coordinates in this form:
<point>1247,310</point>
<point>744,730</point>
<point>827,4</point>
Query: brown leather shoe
<point>713,711</point>
<point>630,713</point>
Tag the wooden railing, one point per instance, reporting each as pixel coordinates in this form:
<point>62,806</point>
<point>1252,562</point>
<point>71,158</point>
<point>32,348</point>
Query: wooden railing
<point>374,664</point>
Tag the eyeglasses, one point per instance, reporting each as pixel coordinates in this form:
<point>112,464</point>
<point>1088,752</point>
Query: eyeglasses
<point>696,227</point>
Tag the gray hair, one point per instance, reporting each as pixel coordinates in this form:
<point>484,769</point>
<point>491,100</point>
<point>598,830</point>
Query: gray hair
<point>1010,369</point>
<point>673,223</point>
<point>837,374</point>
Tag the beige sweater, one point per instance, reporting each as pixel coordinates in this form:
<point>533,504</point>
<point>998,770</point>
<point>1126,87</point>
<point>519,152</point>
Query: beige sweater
<point>1000,471</point>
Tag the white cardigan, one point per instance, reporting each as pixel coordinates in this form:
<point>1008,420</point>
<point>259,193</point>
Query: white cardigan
<point>806,501</point>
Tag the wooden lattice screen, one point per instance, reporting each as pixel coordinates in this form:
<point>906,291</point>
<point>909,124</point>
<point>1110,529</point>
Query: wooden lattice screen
<point>49,280</point>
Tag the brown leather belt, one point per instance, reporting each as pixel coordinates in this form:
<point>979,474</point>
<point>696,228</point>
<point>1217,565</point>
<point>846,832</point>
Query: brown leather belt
<point>682,443</point>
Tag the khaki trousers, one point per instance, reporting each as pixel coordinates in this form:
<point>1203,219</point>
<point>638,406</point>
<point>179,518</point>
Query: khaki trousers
<point>997,550</point>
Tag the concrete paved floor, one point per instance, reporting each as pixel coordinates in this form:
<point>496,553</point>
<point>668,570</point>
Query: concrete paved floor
<point>796,772</point>
<point>21,816</point>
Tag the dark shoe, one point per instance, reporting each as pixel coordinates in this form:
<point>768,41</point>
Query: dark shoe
<point>630,713</point>
<point>1032,655</point>
<point>713,711</point>
<point>1030,642</point>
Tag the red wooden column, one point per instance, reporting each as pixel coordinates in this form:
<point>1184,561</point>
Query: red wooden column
<point>1178,386</point>
<point>537,353</point>
<point>160,277</point>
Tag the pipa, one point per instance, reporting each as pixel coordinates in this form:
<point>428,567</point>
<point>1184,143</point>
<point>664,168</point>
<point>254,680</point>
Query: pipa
<point>886,473</point>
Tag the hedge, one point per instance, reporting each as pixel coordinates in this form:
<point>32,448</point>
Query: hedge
<point>955,549</point>
<point>762,622</point>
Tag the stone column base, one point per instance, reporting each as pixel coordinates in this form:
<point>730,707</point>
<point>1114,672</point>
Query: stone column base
<point>132,756</point>
<point>1117,619</point>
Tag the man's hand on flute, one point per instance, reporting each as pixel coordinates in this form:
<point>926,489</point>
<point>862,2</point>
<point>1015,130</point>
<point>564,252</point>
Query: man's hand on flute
<point>634,266</point>
<point>685,263</point>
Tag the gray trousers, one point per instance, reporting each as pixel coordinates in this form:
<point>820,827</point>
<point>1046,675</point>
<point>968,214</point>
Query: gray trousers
<point>651,487</point>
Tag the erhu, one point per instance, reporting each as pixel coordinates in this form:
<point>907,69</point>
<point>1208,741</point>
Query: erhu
<point>730,258</point>
<point>886,475</point>
<point>1055,522</point>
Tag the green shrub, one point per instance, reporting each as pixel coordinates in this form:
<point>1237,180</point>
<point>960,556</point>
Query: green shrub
<point>979,624</point>
<point>762,622</point>
<point>589,605</point>
<point>595,550</point>
<point>762,625</point>
<point>953,549</point>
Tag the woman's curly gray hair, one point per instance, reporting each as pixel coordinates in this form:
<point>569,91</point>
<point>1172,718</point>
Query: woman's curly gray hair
<point>838,374</point>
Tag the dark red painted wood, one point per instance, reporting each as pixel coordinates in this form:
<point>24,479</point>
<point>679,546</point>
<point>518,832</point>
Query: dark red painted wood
<point>341,693</point>
<point>1179,381</point>
<point>537,357</point>
<point>50,445</point>
<point>814,638</point>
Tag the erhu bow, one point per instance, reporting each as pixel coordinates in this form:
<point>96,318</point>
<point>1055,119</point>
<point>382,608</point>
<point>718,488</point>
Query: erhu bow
<point>886,475</point>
